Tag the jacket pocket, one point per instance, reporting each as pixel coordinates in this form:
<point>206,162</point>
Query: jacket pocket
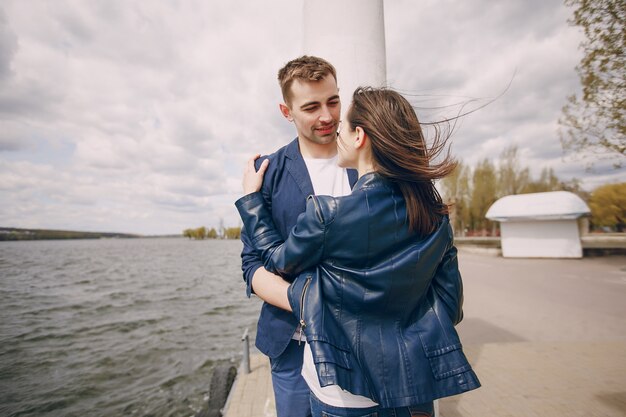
<point>448,361</point>
<point>324,352</point>
<point>440,342</point>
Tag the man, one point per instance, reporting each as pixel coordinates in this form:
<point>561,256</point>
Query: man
<point>305,166</point>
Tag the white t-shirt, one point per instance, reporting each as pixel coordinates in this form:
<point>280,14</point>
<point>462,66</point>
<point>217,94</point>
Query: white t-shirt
<point>328,179</point>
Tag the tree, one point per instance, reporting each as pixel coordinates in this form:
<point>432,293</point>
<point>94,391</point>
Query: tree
<point>456,192</point>
<point>512,179</point>
<point>232,232</point>
<point>574,186</point>
<point>548,181</point>
<point>596,121</point>
<point>608,206</point>
<point>212,233</point>
<point>483,194</point>
<point>198,233</point>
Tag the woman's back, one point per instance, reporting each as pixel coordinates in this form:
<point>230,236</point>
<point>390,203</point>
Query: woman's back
<point>383,267</point>
<point>377,302</point>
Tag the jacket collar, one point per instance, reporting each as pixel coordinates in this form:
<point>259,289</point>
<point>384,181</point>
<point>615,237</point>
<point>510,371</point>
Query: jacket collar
<point>292,150</point>
<point>353,176</point>
<point>369,180</point>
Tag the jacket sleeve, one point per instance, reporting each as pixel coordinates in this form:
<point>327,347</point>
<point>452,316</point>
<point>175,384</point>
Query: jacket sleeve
<point>448,285</point>
<point>304,246</point>
<point>250,261</point>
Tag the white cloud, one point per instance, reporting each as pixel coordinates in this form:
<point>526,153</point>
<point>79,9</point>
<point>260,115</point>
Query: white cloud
<point>138,117</point>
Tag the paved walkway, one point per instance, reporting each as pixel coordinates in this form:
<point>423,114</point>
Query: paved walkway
<point>546,338</point>
<point>252,394</point>
<point>549,379</point>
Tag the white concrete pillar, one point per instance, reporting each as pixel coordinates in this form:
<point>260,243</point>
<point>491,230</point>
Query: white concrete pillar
<point>350,34</point>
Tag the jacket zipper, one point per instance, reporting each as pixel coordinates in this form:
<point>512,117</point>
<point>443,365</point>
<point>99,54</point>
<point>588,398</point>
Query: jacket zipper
<point>302,323</point>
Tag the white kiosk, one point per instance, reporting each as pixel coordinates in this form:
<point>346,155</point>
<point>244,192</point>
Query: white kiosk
<point>540,225</point>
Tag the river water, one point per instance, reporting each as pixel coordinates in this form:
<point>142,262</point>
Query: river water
<point>117,327</point>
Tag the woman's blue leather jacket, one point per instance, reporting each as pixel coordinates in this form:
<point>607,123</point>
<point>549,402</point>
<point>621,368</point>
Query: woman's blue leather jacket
<point>377,302</point>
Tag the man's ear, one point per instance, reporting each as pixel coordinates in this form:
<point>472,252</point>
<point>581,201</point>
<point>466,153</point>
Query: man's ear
<point>286,112</point>
<point>361,138</point>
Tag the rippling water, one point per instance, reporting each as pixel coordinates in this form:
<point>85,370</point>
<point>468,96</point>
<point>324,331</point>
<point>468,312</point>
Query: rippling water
<point>117,327</point>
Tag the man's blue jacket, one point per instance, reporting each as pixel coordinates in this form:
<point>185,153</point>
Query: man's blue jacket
<point>286,186</point>
<point>378,303</point>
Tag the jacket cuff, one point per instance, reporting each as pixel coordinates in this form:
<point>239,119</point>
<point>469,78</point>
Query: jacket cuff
<point>254,216</point>
<point>249,277</point>
<point>249,201</point>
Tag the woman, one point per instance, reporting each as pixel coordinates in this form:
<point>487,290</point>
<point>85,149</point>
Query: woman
<point>377,288</point>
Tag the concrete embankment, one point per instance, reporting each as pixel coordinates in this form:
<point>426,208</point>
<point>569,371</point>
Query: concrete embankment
<point>593,245</point>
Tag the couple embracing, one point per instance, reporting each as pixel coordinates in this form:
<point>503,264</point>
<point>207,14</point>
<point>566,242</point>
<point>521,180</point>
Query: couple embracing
<point>348,242</point>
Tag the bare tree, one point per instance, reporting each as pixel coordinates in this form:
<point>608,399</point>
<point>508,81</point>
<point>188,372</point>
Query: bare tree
<point>512,179</point>
<point>594,124</point>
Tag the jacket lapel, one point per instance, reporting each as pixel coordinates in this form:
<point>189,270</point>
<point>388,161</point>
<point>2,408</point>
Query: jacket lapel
<point>297,168</point>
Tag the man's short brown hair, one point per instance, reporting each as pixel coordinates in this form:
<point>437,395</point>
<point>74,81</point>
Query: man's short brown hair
<point>305,68</point>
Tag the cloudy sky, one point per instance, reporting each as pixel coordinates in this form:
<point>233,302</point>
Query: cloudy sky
<point>138,116</point>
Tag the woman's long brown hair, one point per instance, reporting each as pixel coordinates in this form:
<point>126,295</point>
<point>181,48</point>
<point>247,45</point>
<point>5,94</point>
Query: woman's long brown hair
<point>400,152</point>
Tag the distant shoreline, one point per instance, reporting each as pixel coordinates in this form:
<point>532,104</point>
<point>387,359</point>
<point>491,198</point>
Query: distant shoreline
<point>17,234</point>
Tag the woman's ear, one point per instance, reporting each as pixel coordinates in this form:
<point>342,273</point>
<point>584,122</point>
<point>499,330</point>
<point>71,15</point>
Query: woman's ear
<point>361,138</point>
<point>286,112</point>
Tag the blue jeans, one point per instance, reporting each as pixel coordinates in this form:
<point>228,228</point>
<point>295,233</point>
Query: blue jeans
<point>319,409</point>
<point>290,390</point>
